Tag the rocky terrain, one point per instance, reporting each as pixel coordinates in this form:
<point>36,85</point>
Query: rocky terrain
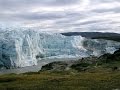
<point>84,63</point>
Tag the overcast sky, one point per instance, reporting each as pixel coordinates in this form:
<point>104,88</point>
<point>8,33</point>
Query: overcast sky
<point>63,15</point>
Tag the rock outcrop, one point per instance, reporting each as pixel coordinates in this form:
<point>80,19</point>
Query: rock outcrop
<point>84,63</point>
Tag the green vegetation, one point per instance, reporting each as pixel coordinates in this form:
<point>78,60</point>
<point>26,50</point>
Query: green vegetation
<point>57,81</point>
<point>101,77</point>
<point>80,66</point>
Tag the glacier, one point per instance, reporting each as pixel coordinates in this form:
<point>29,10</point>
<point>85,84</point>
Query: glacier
<point>21,48</point>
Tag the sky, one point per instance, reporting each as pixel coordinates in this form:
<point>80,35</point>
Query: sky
<point>62,15</point>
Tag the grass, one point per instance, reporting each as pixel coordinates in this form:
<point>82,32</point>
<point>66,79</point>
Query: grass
<point>99,79</point>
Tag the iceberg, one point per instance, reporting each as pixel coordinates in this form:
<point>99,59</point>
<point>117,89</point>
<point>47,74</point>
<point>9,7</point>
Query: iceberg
<point>21,48</point>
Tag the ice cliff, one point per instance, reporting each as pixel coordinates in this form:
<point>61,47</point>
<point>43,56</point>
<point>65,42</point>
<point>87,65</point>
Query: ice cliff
<point>20,48</point>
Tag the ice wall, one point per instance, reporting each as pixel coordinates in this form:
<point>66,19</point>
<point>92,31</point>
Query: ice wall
<point>24,48</point>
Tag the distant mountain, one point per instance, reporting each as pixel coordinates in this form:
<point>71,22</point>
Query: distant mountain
<point>95,35</point>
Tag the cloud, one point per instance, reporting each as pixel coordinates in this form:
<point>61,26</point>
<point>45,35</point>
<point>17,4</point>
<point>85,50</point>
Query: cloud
<point>29,3</point>
<point>63,15</point>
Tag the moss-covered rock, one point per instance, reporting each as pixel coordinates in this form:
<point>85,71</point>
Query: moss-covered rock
<point>80,66</point>
<point>59,66</point>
